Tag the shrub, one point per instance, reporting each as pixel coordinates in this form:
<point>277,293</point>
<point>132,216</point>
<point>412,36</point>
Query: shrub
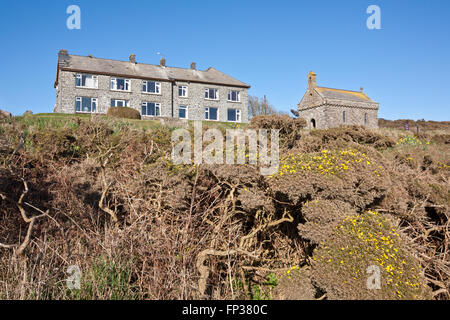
<point>441,138</point>
<point>123,112</point>
<point>219,231</point>
<point>289,127</point>
<point>359,242</point>
<point>422,124</point>
<point>355,134</point>
<point>285,123</point>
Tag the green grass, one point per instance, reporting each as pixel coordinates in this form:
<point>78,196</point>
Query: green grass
<point>106,280</point>
<point>264,292</point>
<point>60,120</point>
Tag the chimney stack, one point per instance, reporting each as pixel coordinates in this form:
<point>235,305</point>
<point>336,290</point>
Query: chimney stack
<point>132,58</point>
<point>162,62</point>
<point>193,66</point>
<point>361,89</point>
<point>63,58</point>
<point>312,81</point>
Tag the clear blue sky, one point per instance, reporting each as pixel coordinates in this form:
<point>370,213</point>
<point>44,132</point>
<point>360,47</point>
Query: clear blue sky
<point>269,44</point>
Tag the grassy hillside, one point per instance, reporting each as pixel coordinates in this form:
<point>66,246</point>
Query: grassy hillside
<point>58,120</point>
<point>104,195</point>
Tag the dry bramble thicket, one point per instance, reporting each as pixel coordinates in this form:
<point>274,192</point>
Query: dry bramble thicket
<point>105,196</point>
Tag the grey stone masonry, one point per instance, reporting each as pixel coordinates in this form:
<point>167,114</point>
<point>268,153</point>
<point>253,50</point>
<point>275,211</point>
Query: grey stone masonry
<point>195,82</point>
<point>324,108</point>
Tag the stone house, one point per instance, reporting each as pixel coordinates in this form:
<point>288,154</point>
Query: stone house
<point>85,84</point>
<point>324,108</point>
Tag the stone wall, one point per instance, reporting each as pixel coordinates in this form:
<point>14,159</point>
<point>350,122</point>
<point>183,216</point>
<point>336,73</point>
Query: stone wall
<point>197,103</point>
<point>353,116</point>
<point>329,116</point>
<point>329,113</point>
<point>317,115</point>
<point>66,92</point>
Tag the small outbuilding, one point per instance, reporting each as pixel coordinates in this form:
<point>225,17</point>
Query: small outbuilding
<point>324,108</point>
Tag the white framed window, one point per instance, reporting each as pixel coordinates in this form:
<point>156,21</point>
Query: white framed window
<point>85,104</point>
<point>86,81</point>
<point>234,115</point>
<point>120,84</point>
<point>151,109</point>
<point>120,103</point>
<point>211,114</point>
<point>183,112</point>
<point>211,94</point>
<point>151,87</point>
<point>234,96</point>
<point>183,91</point>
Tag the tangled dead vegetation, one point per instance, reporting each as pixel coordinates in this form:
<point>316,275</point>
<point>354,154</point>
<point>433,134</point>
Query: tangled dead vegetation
<point>106,197</point>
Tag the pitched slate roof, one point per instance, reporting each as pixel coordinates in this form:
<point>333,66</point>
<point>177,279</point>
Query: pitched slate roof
<point>340,94</point>
<point>145,71</point>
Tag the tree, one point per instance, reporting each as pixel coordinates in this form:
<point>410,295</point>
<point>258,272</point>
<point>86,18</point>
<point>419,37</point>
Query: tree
<point>257,106</point>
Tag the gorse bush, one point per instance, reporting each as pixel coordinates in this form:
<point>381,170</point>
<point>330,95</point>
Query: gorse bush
<point>289,128</point>
<point>105,195</point>
<point>358,243</point>
<point>327,162</point>
<point>357,134</point>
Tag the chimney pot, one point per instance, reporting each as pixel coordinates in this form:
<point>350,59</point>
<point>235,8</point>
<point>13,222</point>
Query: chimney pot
<point>162,62</point>
<point>132,58</point>
<point>361,89</point>
<point>193,66</point>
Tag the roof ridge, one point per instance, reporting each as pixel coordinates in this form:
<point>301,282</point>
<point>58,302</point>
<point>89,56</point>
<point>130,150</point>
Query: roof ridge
<point>82,63</point>
<point>125,61</point>
<point>340,89</point>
